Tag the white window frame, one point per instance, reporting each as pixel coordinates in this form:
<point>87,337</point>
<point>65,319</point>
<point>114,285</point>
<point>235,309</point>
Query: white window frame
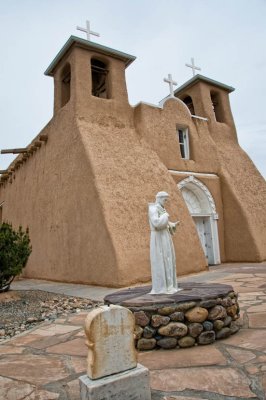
<point>185,142</point>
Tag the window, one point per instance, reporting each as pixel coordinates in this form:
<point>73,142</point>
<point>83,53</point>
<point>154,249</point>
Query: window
<point>217,107</point>
<point>99,74</point>
<point>189,103</point>
<point>65,85</point>
<point>183,143</point>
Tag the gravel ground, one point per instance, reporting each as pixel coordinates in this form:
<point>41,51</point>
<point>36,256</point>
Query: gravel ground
<point>21,310</point>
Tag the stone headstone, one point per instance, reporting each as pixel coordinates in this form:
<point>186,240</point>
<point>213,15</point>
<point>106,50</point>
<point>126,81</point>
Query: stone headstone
<point>109,331</point>
<point>113,372</point>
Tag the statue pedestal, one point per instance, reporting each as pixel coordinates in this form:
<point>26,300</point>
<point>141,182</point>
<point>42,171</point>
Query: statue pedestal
<point>130,385</point>
<point>198,314</point>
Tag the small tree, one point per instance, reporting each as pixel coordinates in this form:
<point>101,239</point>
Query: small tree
<point>15,249</point>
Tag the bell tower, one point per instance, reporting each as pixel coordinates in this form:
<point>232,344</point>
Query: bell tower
<point>89,76</point>
<point>208,98</point>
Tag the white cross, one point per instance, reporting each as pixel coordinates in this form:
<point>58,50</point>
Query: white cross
<point>87,30</point>
<point>192,66</point>
<point>171,83</point>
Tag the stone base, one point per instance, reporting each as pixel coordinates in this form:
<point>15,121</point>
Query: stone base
<point>199,314</point>
<point>131,385</point>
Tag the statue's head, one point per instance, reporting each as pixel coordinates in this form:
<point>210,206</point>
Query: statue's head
<point>162,197</point>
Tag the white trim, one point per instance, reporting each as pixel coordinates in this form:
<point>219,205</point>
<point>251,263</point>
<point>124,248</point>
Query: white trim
<point>161,104</point>
<point>213,215</point>
<point>197,117</point>
<point>174,172</point>
<point>147,104</point>
<point>2,203</point>
<point>163,101</point>
<point>185,143</point>
<point>203,187</point>
<point>187,148</point>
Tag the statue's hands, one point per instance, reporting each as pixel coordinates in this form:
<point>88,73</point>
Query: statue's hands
<point>172,227</point>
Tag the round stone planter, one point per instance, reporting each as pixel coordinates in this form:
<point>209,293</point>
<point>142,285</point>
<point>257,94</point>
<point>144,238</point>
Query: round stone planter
<point>199,314</point>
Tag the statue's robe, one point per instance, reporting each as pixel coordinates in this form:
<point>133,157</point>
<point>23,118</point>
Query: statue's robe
<point>162,253</point>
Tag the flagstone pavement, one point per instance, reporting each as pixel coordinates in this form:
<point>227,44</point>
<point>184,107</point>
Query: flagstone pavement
<point>45,363</point>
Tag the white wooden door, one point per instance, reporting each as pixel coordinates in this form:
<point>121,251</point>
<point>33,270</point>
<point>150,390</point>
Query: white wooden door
<point>205,234</point>
<point>200,224</point>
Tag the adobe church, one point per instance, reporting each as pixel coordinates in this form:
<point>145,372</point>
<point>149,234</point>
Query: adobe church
<point>83,185</point>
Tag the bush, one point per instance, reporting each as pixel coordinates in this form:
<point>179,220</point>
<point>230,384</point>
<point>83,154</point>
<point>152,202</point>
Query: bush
<point>15,249</point>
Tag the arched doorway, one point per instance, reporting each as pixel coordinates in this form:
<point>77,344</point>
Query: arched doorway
<point>202,208</point>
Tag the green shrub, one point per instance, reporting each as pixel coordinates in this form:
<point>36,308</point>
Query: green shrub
<point>15,249</point>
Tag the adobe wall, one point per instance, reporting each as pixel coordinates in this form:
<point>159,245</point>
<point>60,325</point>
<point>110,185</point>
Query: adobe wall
<point>243,188</point>
<point>213,183</point>
<point>244,198</point>
<point>243,192</point>
<point>159,128</point>
<point>128,174</point>
<point>84,194</point>
<point>53,193</point>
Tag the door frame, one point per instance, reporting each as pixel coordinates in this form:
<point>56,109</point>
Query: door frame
<point>208,211</point>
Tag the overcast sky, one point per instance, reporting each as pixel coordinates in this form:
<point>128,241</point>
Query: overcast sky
<point>226,37</point>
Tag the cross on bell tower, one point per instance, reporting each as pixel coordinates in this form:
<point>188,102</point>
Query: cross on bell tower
<point>171,83</point>
<point>193,67</point>
<point>87,30</point>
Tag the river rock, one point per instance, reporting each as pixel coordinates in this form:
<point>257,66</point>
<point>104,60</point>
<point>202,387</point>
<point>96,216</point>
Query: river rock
<point>207,325</point>
<point>223,333</point>
<point>227,320</point>
<point>173,329</point>
<point>197,314</point>
<point>226,302</point>
<point>217,312</point>
<point>234,328</point>
<point>177,316</point>
<point>232,310</point>
<point>185,306</point>
<point>186,341</point>
<point>148,332</point>
<point>218,325</point>
<point>208,303</point>
<point>141,318</point>
<point>206,337</point>
<point>195,329</point>
<point>158,320</point>
<point>146,344</point>
<point>166,310</point>
<point>138,332</point>
<point>167,343</point>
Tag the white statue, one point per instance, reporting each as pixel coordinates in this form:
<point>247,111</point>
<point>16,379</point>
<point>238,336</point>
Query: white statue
<point>162,252</point>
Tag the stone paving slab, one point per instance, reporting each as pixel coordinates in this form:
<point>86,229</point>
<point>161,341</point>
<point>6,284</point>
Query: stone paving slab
<point>96,293</point>
<point>195,356</point>
<point>227,382</point>
<point>45,363</point>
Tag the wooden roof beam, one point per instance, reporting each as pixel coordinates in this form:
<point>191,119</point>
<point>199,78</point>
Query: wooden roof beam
<point>43,138</point>
<point>14,151</point>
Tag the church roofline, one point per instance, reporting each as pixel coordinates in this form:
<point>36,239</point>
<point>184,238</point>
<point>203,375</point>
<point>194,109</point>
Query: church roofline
<point>74,40</point>
<point>200,78</point>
